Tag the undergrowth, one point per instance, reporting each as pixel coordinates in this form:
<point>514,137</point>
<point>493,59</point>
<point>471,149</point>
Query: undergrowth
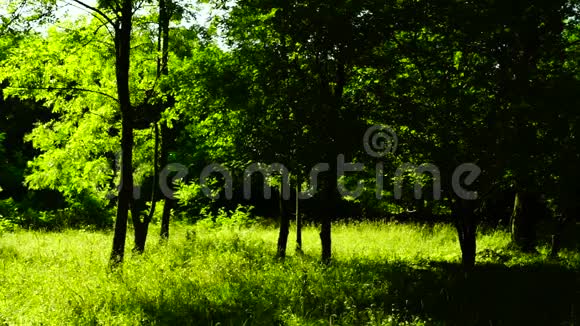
<point>381,274</point>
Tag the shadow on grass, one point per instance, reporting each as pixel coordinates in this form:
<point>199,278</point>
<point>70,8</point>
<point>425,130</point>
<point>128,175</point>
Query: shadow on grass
<point>367,292</point>
<point>494,294</point>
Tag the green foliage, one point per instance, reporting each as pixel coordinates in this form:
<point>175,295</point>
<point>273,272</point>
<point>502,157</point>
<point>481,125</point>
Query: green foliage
<point>299,82</point>
<point>7,225</point>
<point>8,215</point>
<point>187,193</point>
<point>21,16</point>
<point>239,218</point>
<point>85,213</point>
<point>56,71</point>
<point>70,70</point>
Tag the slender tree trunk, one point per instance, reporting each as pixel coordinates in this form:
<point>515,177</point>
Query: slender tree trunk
<point>154,192</point>
<point>334,94</point>
<point>523,220</point>
<point>298,219</point>
<point>569,209</point>
<point>163,68</point>
<point>327,213</point>
<point>329,202</point>
<point>165,219</point>
<point>125,195</point>
<point>167,202</point>
<point>563,222</point>
<point>556,240</point>
<point>325,239</point>
<point>466,225</point>
<point>141,229</point>
<point>122,64</point>
<point>284,227</point>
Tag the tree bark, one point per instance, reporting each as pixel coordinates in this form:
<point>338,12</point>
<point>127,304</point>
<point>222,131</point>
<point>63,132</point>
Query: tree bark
<point>165,219</point>
<point>562,223</point>
<point>332,108</point>
<point>141,229</point>
<point>284,227</point>
<point>325,239</point>
<point>167,202</point>
<point>125,195</point>
<point>466,225</point>
<point>523,220</point>
<point>298,219</point>
<point>154,187</point>
<point>329,202</point>
<point>163,69</point>
<point>122,64</point>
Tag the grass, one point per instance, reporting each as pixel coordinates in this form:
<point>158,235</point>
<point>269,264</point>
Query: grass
<point>382,274</point>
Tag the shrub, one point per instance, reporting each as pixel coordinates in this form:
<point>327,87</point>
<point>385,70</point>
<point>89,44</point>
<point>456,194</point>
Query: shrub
<point>86,213</point>
<point>8,215</point>
<point>241,217</point>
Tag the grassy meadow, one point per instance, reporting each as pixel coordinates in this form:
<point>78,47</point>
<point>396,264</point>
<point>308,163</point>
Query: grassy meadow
<point>381,274</point>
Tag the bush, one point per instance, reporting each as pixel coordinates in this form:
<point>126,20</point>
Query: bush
<point>86,213</point>
<point>8,215</point>
<point>241,217</point>
<point>7,226</point>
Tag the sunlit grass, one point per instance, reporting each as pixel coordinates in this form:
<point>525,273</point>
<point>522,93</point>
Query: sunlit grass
<point>382,274</point>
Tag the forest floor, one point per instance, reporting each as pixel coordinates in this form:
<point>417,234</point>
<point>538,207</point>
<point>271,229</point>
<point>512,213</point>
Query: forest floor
<point>381,274</point>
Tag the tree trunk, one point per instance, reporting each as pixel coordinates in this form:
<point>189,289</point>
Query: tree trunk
<point>155,178</point>
<point>466,225</point>
<point>284,227</point>
<point>298,219</point>
<point>165,219</point>
<point>168,202</point>
<point>122,64</point>
<point>125,195</point>
<point>325,238</point>
<point>563,222</point>
<point>329,199</point>
<point>329,202</point>
<point>555,248</point>
<point>141,230</point>
<point>523,219</point>
<point>333,91</point>
<point>163,69</point>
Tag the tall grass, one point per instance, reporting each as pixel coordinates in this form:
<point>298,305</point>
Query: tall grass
<point>382,274</point>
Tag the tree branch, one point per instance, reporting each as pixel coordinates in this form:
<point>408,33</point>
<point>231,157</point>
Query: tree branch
<point>96,10</point>
<point>138,6</point>
<point>67,89</point>
<point>98,17</point>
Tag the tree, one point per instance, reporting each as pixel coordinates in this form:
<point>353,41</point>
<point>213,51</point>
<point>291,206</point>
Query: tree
<point>117,18</point>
